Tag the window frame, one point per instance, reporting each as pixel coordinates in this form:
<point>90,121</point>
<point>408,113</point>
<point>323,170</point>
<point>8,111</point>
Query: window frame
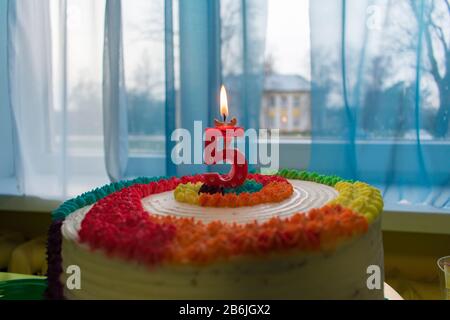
<point>8,179</point>
<point>406,219</point>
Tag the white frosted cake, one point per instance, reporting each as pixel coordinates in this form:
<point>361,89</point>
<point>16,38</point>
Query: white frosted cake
<point>293,235</point>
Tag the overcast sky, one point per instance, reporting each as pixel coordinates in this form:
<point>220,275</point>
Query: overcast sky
<point>288,36</point>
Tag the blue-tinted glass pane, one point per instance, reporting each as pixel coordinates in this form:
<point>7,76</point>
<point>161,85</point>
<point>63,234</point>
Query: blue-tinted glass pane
<point>143,43</point>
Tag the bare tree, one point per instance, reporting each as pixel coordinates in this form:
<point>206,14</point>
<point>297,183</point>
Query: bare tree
<point>231,36</point>
<point>436,38</point>
<point>148,76</point>
<point>269,64</point>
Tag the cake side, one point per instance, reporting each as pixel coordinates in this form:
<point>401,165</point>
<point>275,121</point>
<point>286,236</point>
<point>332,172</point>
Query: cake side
<point>339,274</point>
<point>336,274</point>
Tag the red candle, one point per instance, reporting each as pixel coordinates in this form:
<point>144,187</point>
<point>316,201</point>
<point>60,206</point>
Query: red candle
<point>239,167</point>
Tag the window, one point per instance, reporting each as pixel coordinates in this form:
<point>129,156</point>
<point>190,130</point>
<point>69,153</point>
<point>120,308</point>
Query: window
<point>287,67</point>
<point>84,110</point>
<point>273,101</point>
<point>296,121</point>
<point>144,61</point>
<point>383,94</point>
<point>284,101</point>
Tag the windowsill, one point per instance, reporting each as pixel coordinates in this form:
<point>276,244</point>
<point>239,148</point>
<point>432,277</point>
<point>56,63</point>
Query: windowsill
<point>27,204</point>
<point>436,222</point>
<point>394,219</point>
<point>309,140</point>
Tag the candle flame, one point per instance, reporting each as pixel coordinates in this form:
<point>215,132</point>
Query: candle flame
<point>223,102</point>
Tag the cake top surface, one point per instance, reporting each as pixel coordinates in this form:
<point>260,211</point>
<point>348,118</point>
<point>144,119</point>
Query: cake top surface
<point>306,195</point>
<point>142,220</point>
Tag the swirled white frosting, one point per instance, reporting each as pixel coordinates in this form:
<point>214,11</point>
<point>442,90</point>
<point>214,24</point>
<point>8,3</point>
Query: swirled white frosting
<point>307,195</point>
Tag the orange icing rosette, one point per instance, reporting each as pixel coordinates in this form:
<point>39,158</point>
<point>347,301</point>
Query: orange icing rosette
<point>318,229</point>
<point>270,193</point>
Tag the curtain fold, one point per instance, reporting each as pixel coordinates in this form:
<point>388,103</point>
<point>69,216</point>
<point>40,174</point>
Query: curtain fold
<point>51,68</point>
<point>32,91</point>
<point>115,125</point>
<point>194,77</point>
<point>170,92</point>
<point>379,86</point>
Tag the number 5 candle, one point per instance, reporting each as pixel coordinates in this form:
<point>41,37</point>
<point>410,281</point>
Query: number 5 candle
<point>226,130</point>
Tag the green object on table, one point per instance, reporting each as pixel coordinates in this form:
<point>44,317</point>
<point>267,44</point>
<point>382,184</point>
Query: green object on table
<point>21,287</point>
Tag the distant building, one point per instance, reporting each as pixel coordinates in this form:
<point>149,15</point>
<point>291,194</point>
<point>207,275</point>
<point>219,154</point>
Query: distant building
<point>286,103</point>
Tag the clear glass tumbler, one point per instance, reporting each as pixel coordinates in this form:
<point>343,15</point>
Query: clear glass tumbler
<point>444,276</point>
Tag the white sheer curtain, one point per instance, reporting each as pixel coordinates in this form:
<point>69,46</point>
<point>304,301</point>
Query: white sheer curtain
<point>81,79</point>
<point>30,62</point>
<point>55,84</point>
<point>88,78</point>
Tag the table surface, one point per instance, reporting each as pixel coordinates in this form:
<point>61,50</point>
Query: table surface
<point>6,276</point>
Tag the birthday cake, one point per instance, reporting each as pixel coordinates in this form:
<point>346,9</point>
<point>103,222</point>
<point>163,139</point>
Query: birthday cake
<point>290,235</point>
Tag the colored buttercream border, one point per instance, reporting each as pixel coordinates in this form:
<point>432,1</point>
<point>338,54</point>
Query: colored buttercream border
<point>118,224</point>
<point>91,197</point>
<point>295,174</point>
<point>358,196</point>
<point>319,229</point>
<point>54,260</point>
